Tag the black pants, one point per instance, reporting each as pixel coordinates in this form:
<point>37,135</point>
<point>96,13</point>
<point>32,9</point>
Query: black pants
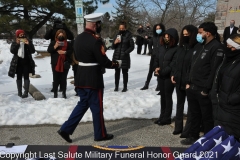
<point>139,49</point>
<point>151,69</point>
<point>200,108</point>
<point>166,88</point>
<point>59,78</point>
<point>23,70</point>
<point>125,76</point>
<point>181,96</point>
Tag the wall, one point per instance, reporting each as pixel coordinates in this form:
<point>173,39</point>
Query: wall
<point>227,10</point>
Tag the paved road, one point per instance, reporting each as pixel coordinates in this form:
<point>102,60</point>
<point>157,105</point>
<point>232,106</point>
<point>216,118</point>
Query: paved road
<point>134,132</point>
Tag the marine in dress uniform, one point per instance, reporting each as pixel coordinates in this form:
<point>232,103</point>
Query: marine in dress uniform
<point>90,53</point>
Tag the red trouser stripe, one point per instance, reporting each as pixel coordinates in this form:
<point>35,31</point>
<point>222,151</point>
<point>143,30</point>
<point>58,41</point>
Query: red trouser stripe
<point>101,111</point>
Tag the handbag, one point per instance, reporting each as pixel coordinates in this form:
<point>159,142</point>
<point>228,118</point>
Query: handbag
<point>66,65</point>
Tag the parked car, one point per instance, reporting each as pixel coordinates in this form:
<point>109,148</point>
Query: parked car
<point>108,43</point>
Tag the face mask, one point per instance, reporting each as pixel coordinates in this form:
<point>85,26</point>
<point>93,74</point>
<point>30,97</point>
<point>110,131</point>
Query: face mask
<point>158,31</point>
<point>148,27</point>
<point>200,38</point>
<point>121,32</point>
<point>186,39</point>
<point>166,41</point>
<point>61,38</point>
<point>98,26</point>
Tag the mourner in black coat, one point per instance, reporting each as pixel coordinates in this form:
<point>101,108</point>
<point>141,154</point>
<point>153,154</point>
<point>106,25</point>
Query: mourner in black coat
<point>182,61</point>
<point>228,31</point>
<point>22,62</point>
<point>61,52</point>
<point>154,44</point>
<point>206,57</point>
<point>90,54</point>
<point>225,94</point>
<point>163,68</point>
<point>140,39</point>
<point>123,45</point>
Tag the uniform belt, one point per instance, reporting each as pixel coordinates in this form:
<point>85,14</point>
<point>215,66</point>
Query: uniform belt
<point>87,64</point>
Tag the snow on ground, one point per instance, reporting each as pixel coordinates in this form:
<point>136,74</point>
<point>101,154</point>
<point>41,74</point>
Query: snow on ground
<point>134,103</point>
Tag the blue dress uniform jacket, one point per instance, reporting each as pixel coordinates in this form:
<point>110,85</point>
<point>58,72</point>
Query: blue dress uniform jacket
<point>88,49</point>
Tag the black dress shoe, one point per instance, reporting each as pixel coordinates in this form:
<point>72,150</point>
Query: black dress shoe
<point>108,137</point>
<point>116,89</point>
<point>157,121</point>
<point>176,132</point>
<point>183,135</point>
<point>164,123</point>
<point>65,136</point>
<point>189,141</point>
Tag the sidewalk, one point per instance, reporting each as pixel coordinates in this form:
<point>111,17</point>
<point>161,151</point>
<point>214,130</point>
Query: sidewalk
<point>127,132</point>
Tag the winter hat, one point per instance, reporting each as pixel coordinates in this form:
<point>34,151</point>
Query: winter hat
<point>234,41</point>
<point>19,31</point>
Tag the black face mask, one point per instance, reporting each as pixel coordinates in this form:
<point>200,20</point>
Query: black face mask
<point>186,39</point>
<point>122,32</point>
<point>61,38</point>
<point>166,41</point>
<point>98,28</point>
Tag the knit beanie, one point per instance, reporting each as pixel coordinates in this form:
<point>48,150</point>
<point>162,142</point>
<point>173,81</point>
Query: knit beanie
<point>19,31</point>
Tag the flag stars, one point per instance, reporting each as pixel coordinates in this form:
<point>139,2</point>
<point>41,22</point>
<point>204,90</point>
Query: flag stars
<point>238,154</point>
<point>227,147</point>
<point>218,141</point>
<point>200,140</point>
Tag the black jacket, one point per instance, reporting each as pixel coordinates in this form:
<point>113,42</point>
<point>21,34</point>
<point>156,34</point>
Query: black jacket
<point>205,60</point>
<point>50,34</point>
<point>122,50</point>
<point>182,61</point>
<point>20,62</point>
<point>140,37</point>
<point>88,49</point>
<point>164,58</point>
<point>226,33</point>
<point>225,96</point>
<point>154,42</point>
<point>55,55</point>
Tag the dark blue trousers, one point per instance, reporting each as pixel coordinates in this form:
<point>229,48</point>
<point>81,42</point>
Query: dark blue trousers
<point>92,98</point>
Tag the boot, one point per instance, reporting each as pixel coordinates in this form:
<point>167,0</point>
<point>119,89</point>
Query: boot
<point>55,90</point>
<point>52,87</point>
<point>55,95</point>
<point>116,88</point>
<point>64,94</point>
<point>157,88</point>
<point>124,89</point>
<point>19,87</point>
<point>26,87</point>
<point>145,86</point>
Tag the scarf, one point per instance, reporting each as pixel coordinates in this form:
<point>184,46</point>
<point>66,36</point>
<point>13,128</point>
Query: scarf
<point>61,58</point>
<point>21,50</point>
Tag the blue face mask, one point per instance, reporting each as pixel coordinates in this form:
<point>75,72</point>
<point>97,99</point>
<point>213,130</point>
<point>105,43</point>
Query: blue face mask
<point>199,38</point>
<point>158,31</point>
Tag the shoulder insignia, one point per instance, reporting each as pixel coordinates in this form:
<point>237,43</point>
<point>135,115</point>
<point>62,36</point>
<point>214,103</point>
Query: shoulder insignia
<point>103,50</point>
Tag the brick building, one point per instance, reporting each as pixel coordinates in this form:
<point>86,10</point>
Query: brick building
<point>227,10</point>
